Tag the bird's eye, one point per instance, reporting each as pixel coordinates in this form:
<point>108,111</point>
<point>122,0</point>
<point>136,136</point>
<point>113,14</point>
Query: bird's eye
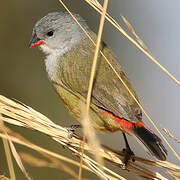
<point>50,33</point>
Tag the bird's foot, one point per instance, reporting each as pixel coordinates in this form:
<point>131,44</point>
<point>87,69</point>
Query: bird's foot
<point>127,156</point>
<point>127,153</point>
<point>71,129</point>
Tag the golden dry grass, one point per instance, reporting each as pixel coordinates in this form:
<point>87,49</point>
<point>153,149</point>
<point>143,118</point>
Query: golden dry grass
<point>24,116</point>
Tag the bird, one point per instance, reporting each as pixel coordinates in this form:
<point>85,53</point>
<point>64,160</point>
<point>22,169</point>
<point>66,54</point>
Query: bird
<point>68,60</point>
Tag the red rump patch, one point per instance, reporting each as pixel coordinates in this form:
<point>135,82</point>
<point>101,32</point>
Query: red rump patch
<point>125,124</point>
<point>37,43</point>
<point>139,124</point>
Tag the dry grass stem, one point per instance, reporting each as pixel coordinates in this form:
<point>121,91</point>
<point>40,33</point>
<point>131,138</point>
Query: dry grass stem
<point>175,175</point>
<point>130,27</point>
<point>18,159</point>
<point>22,115</point>
<point>88,130</point>
<point>49,161</point>
<point>17,138</point>
<point>81,158</point>
<point>7,150</point>
<point>114,23</point>
<point>171,135</point>
<point>99,8</point>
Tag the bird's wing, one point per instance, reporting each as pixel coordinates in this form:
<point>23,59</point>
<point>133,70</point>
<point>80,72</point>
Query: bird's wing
<point>108,91</point>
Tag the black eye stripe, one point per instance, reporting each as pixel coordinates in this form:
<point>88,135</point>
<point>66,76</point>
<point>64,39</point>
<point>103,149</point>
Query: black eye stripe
<point>50,33</point>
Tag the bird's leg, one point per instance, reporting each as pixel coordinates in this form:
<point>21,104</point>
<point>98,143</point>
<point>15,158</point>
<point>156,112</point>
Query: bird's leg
<point>127,152</point>
<point>71,129</point>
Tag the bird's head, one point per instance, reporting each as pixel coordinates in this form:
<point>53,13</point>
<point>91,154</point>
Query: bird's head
<point>57,32</point>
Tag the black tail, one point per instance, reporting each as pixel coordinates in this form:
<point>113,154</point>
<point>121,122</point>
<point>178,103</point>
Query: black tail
<point>151,141</point>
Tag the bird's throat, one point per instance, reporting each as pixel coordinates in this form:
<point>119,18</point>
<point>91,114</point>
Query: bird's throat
<point>53,56</point>
<point>51,63</point>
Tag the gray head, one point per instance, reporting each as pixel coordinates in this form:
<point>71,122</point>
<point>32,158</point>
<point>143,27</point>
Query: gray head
<point>57,32</point>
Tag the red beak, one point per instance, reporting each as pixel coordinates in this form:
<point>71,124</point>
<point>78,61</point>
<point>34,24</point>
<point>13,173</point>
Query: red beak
<point>35,41</point>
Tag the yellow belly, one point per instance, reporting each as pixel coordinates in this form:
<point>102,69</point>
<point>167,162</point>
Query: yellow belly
<point>74,104</point>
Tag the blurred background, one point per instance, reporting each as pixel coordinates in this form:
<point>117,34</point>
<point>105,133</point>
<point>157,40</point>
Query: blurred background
<point>23,76</point>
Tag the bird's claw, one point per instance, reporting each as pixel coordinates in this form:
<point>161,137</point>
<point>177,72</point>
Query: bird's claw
<point>71,129</point>
<point>127,156</point>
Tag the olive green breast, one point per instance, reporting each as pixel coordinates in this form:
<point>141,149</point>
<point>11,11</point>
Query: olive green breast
<point>72,79</point>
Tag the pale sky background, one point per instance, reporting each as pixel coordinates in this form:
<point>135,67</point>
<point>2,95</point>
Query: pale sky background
<point>22,71</point>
